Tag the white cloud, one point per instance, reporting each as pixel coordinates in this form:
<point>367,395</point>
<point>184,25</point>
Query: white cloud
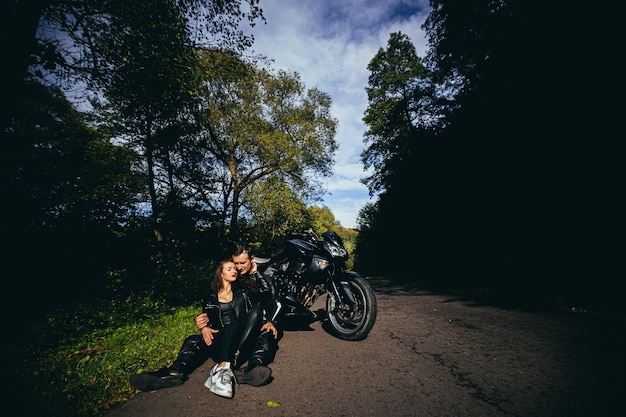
<point>330,43</point>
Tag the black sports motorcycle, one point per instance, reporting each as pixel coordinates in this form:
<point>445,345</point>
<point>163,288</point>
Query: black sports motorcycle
<point>307,267</point>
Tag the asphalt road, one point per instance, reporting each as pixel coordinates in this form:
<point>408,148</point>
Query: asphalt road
<point>427,355</point>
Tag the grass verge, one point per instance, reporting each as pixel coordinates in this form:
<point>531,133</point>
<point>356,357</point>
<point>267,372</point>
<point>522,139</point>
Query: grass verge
<point>78,364</point>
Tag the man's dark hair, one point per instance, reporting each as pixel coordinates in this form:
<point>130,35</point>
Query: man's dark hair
<point>241,249</point>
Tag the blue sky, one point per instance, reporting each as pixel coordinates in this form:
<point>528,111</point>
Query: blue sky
<point>330,43</point>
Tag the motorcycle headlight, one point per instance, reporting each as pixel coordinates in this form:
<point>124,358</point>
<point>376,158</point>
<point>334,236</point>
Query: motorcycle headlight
<point>321,263</point>
<point>335,251</point>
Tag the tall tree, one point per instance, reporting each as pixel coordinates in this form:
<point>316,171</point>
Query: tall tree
<point>136,60</point>
<point>147,81</point>
<point>402,100</point>
<point>257,124</point>
<point>59,168</point>
<point>274,210</point>
<point>68,192</point>
<point>324,220</point>
<point>405,113</point>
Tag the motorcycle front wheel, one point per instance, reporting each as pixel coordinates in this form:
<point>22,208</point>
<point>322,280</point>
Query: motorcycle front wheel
<point>351,321</point>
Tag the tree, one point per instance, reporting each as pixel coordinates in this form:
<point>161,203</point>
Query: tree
<point>152,85</point>
<point>406,112</point>
<point>324,220</point>
<point>402,103</point>
<point>367,253</point>
<point>68,192</point>
<point>275,210</point>
<point>255,125</point>
<point>58,167</point>
<point>135,61</point>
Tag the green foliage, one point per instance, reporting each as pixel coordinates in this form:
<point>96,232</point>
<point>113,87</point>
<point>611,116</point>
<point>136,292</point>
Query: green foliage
<point>138,61</point>
<point>70,191</point>
<point>401,95</point>
<point>150,65</point>
<point>257,127</point>
<point>149,81</point>
<point>325,220</point>
<point>58,169</point>
<point>78,362</point>
<point>95,26</point>
<point>274,210</point>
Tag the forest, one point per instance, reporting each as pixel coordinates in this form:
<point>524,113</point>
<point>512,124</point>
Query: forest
<point>495,157</point>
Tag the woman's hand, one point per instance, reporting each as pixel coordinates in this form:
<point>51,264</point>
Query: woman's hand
<point>202,320</point>
<point>208,335</point>
<point>269,327</point>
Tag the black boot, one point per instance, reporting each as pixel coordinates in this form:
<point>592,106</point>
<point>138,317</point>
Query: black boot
<point>163,378</point>
<point>257,373</point>
<point>254,374</point>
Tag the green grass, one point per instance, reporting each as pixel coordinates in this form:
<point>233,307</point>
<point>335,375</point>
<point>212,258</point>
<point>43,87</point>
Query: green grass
<point>79,364</point>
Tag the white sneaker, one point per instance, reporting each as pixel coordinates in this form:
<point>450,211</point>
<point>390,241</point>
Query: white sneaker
<point>221,381</point>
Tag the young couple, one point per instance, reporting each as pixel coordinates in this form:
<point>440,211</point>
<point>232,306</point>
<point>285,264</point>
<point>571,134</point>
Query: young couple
<point>238,324</point>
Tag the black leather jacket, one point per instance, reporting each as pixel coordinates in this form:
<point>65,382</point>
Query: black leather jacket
<point>264,294</point>
<point>244,299</point>
<point>241,306</point>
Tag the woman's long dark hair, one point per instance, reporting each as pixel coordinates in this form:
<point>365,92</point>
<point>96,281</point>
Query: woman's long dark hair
<point>216,283</point>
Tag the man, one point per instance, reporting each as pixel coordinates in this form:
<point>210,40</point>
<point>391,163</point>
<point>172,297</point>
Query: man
<point>256,372</point>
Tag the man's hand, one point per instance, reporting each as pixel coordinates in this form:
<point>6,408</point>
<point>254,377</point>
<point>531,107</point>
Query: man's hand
<point>208,334</point>
<point>202,320</point>
<point>269,327</point>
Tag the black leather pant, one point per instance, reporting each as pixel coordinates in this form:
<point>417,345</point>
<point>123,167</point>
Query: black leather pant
<point>194,351</point>
<point>264,351</point>
<point>254,347</point>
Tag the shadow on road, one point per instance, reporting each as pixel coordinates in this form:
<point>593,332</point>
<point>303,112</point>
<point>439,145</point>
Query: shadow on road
<point>504,299</point>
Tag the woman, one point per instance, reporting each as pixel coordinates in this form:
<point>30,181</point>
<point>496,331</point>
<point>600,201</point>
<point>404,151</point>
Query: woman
<point>227,307</point>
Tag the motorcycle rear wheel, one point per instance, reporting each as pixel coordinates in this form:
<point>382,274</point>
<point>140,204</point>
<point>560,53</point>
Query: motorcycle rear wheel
<point>352,322</point>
